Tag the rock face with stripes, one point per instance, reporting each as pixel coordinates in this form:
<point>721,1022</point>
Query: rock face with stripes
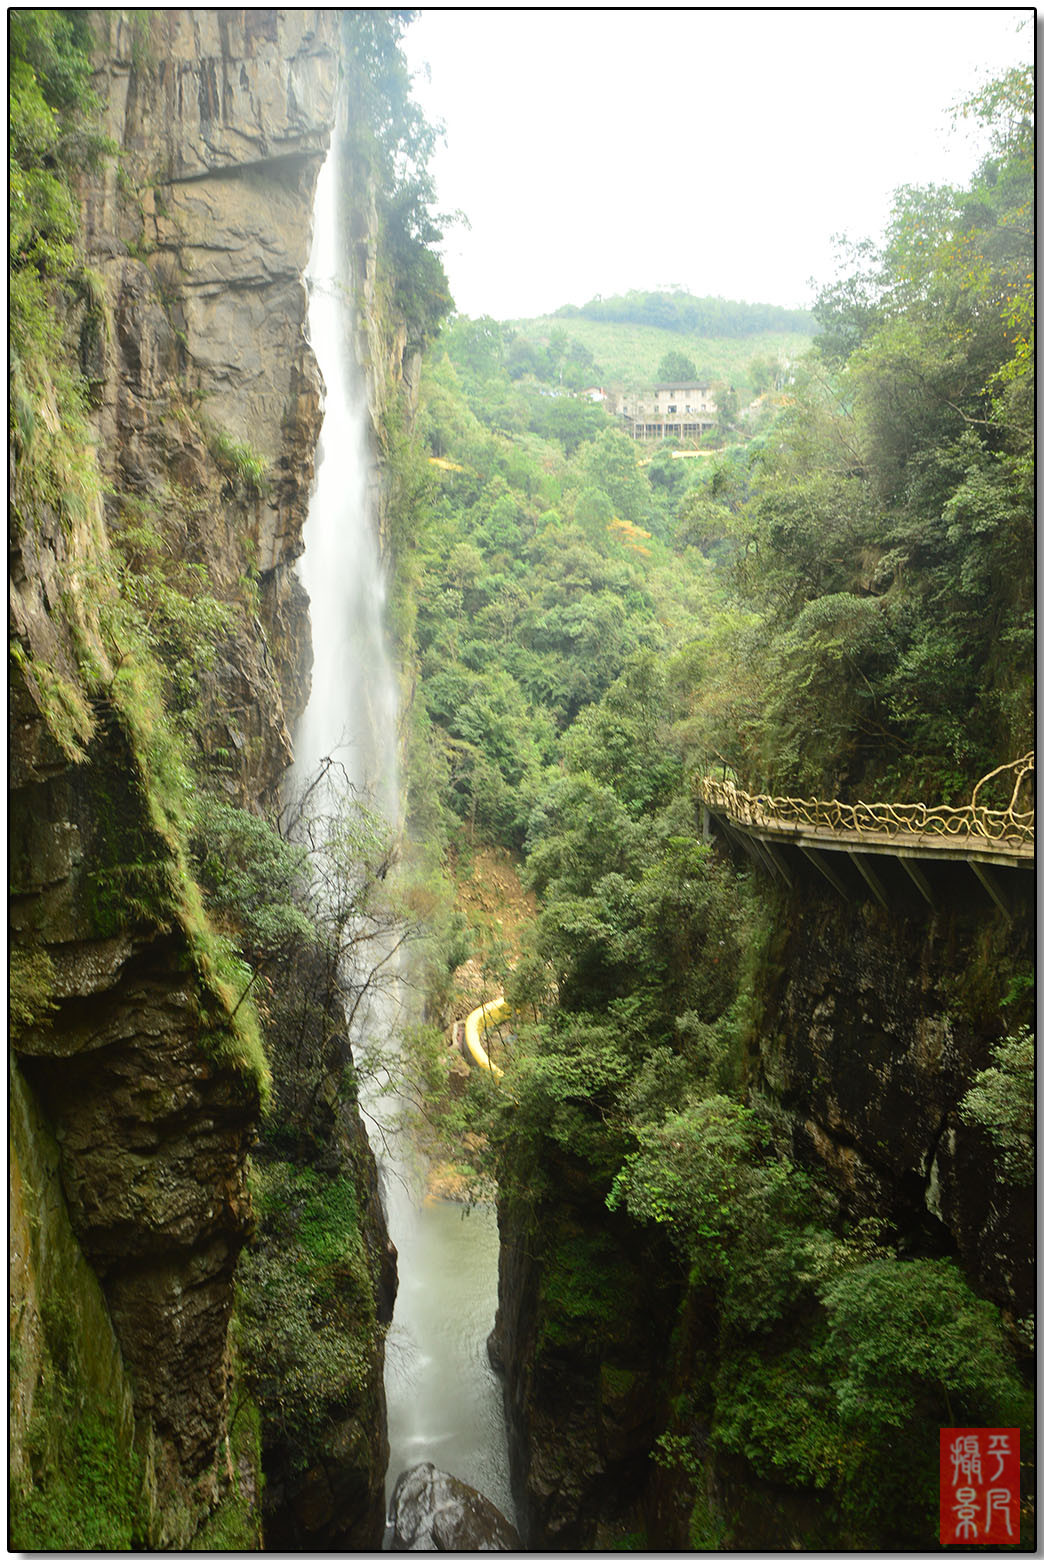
<point>222,119</point>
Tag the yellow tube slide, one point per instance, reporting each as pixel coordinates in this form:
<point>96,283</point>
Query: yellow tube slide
<point>475,1026</point>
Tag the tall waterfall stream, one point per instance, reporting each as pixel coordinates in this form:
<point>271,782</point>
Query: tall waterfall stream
<point>444,1402</point>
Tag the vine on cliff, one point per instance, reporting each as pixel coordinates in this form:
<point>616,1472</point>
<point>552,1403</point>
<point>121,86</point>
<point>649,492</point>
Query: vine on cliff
<point>392,141</point>
<point>51,106</point>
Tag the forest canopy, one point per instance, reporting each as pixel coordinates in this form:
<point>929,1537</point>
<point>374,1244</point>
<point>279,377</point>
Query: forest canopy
<point>836,601</point>
<point>680,311</point>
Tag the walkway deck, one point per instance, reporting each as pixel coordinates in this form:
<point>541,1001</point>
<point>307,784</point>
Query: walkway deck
<point>975,834</point>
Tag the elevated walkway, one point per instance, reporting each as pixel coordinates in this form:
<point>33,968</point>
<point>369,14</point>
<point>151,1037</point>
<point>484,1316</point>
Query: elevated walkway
<point>977,835</point>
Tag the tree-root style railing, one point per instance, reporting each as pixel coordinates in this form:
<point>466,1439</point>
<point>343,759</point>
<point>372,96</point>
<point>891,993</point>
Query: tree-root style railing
<point>1007,828</point>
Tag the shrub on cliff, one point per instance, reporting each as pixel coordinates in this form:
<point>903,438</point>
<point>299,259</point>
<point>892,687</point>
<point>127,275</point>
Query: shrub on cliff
<point>392,143</point>
<point>50,105</point>
<point>1001,1099</point>
<point>900,1348</point>
<point>742,1216</point>
<point>306,1304</point>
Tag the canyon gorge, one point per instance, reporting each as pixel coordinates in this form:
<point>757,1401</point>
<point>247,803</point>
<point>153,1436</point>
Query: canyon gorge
<point>751,1108</point>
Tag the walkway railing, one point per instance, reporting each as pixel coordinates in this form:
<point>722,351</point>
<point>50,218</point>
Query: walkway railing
<point>1009,827</point>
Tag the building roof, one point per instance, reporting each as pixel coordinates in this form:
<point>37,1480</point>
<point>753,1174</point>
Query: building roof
<point>682,384</point>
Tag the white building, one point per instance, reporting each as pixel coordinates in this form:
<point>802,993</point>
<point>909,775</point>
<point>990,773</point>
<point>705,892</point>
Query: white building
<point>676,409</point>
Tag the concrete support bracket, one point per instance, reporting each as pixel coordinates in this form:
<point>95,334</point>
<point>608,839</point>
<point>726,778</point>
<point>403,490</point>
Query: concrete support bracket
<point>818,859</point>
<point>992,887</point>
<point>745,843</point>
<point>779,857</point>
<point>918,878</point>
<point>870,877</point>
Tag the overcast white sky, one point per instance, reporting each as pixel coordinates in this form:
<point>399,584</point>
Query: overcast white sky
<point>598,150</point>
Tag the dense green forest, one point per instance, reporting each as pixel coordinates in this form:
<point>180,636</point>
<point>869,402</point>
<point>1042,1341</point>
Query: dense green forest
<point>866,558</point>
<point>676,310</point>
<point>579,354</point>
<point>838,605</point>
<point>835,601</point>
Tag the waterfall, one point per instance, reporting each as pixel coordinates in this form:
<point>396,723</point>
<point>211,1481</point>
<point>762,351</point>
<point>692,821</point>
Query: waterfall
<point>351,710</point>
<point>444,1403</point>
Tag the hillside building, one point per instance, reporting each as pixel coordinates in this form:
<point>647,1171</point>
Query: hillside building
<point>677,409</point>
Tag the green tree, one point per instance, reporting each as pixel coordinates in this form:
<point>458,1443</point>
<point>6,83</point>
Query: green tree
<point>390,136</point>
<point>676,366</point>
<point>767,373</point>
<point>475,346</point>
<point>611,464</point>
<point>626,739</point>
<point>569,422</point>
<point>1001,1099</point>
<point>741,1215</point>
<point>893,502</point>
<point>578,833</point>
<point>701,522</point>
<point>726,407</point>
<point>908,1343</point>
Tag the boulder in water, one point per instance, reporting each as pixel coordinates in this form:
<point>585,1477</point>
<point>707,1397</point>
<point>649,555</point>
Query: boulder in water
<point>436,1511</point>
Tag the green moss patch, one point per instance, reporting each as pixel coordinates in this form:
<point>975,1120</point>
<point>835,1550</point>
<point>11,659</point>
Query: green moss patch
<point>87,1493</point>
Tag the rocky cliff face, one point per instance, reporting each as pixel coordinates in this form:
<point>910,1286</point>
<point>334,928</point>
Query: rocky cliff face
<point>870,1029</point>
<point>205,411</point>
<point>390,368</point>
<point>201,232</point>
<point>875,1025</point>
<point>584,1393</point>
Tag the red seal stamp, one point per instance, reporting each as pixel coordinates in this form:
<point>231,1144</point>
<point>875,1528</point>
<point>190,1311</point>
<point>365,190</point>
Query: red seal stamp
<point>979,1486</point>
